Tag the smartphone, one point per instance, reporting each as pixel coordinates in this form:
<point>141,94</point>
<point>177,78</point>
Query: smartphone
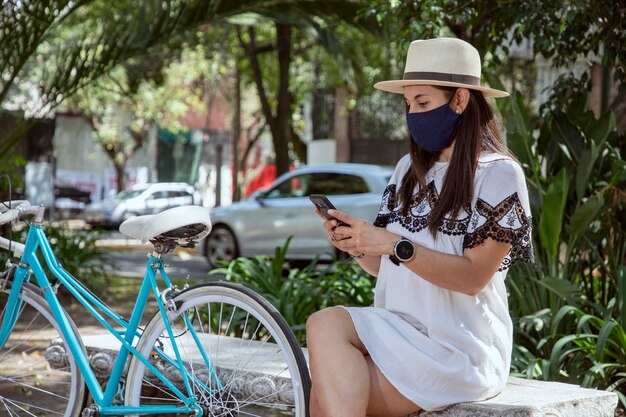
<point>323,204</point>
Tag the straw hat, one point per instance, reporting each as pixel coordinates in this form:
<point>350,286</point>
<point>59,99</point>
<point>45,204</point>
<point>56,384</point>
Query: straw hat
<point>447,62</point>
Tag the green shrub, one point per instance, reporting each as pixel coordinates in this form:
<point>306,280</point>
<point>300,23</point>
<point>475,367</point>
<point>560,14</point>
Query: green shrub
<point>299,292</point>
<point>75,250</point>
<point>569,309</point>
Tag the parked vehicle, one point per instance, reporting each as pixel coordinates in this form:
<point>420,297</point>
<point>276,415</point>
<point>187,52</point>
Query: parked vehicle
<point>149,198</point>
<point>256,226</point>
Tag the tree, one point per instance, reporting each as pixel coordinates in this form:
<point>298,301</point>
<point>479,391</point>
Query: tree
<point>60,46</point>
<point>125,104</point>
<point>559,31</point>
<point>91,38</point>
<point>24,26</point>
<point>299,23</point>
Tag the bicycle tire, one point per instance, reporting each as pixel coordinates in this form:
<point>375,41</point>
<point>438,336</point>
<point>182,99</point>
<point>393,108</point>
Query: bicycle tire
<point>38,374</point>
<point>246,390</point>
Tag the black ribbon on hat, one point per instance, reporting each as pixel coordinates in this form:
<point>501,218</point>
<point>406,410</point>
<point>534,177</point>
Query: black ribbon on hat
<point>442,76</point>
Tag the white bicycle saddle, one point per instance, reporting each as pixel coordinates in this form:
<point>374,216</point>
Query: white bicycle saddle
<point>182,224</point>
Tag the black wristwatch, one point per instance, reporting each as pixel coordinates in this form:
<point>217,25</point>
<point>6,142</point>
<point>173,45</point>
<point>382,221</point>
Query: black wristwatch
<point>403,251</point>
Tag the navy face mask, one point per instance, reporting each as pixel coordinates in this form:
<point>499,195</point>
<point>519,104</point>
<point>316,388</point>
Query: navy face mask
<point>435,129</point>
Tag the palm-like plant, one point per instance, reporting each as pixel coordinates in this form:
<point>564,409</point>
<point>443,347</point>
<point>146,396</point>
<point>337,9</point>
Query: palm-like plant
<point>569,308</point>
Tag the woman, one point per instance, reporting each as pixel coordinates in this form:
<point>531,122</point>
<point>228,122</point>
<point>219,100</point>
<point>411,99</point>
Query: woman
<point>454,216</point>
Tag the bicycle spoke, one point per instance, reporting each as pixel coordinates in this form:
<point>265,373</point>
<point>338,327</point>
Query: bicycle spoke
<point>37,389</point>
<point>29,384</point>
<point>21,405</point>
<point>220,328</point>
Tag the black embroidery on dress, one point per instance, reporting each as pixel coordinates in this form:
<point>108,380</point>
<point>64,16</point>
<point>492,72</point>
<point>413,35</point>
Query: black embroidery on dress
<point>387,206</point>
<point>507,222</point>
<point>421,204</point>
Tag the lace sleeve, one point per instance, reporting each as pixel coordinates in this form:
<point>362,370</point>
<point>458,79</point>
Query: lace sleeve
<point>386,207</point>
<point>501,212</point>
<point>389,202</point>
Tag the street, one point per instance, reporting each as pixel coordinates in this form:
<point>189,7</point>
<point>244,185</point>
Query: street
<point>128,259</point>
<point>132,263</point>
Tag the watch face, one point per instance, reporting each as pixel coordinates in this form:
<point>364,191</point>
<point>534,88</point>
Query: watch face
<point>404,250</point>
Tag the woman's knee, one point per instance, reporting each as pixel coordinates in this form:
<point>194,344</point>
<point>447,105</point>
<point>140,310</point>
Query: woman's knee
<point>324,320</point>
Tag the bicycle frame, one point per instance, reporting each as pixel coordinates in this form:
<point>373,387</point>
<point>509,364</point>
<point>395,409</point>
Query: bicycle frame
<point>30,264</point>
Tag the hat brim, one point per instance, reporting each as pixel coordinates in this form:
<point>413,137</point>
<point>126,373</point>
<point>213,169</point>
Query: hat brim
<point>397,86</point>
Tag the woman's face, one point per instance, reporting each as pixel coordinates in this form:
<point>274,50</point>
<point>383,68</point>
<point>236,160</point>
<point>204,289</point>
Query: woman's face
<point>421,98</point>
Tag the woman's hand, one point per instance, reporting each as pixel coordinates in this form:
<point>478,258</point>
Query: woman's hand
<point>358,237</point>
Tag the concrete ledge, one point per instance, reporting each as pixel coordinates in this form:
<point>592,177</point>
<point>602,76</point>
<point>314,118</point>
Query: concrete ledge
<point>261,376</point>
<point>520,398</point>
<point>528,398</point>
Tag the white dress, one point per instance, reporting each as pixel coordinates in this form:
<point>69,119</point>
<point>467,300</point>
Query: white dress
<point>436,346</point>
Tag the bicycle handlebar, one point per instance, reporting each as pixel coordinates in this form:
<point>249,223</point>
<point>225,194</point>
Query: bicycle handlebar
<point>13,204</point>
<point>18,207</point>
<point>8,215</point>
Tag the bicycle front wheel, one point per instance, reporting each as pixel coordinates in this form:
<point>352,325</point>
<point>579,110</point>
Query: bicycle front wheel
<point>241,358</point>
<point>38,374</point>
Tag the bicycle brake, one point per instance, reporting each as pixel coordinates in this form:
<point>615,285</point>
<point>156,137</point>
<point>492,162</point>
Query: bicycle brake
<point>168,300</point>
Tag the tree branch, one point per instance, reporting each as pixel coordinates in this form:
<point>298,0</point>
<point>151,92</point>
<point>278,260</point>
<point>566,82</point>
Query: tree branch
<point>258,76</point>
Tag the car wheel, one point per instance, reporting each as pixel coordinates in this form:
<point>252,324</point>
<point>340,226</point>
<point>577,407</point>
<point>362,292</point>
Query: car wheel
<point>221,245</point>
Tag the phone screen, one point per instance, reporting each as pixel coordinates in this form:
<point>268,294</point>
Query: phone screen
<point>323,204</point>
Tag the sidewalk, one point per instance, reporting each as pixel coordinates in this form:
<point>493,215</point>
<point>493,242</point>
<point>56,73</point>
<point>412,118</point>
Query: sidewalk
<point>117,241</point>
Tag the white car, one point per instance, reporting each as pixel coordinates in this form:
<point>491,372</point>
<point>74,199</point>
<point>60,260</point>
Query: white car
<point>148,198</point>
<point>256,226</point>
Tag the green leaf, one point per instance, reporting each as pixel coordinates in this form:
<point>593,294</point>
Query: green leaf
<point>561,287</point>
<point>559,317</point>
<point>621,293</point>
<point>601,129</point>
<point>605,332</point>
<point>583,170</point>
<point>551,220</point>
<point>565,132</point>
<point>584,216</point>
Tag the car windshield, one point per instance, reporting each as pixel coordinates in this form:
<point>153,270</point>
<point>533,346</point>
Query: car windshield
<point>126,194</point>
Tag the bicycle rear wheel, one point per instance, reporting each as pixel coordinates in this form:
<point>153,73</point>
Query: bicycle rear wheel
<point>38,374</point>
<point>260,367</point>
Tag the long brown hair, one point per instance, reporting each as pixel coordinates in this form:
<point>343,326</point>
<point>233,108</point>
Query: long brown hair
<point>478,132</point>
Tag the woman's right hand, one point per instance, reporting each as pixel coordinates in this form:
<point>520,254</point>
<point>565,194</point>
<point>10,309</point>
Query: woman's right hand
<point>330,226</point>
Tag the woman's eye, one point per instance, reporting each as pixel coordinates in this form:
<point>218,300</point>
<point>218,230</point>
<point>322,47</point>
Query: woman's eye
<point>422,104</point>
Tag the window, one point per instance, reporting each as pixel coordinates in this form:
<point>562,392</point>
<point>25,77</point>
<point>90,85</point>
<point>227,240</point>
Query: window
<point>319,183</point>
<point>292,187</point>
<point>174,194</point>
<point>160,194</point>
<point>336,184</point>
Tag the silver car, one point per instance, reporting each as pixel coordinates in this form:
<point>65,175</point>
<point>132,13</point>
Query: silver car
<point>257,225</point>
<point>149,198</point>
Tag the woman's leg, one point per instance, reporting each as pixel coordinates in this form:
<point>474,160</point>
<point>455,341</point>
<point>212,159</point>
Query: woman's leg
<point>385,400</point>
<point>346,381</point>
<point>339,371</point>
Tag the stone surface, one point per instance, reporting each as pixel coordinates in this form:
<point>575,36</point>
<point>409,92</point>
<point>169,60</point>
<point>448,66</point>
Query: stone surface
<point>263,377</point>
<point>521,397</point>
<point>527,398</point>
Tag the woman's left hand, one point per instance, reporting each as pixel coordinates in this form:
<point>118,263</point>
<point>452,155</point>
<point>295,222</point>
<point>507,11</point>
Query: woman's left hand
<point>361,237</point>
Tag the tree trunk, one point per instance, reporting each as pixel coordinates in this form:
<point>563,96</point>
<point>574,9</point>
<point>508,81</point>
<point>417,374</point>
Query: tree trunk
<point>120,173</point>
<point>236,138</point>
<point>283,113</point>
<point>279,124</point>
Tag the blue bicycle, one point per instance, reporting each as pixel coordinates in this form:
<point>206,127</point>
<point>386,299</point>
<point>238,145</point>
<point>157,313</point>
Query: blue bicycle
<point>215,349</point>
